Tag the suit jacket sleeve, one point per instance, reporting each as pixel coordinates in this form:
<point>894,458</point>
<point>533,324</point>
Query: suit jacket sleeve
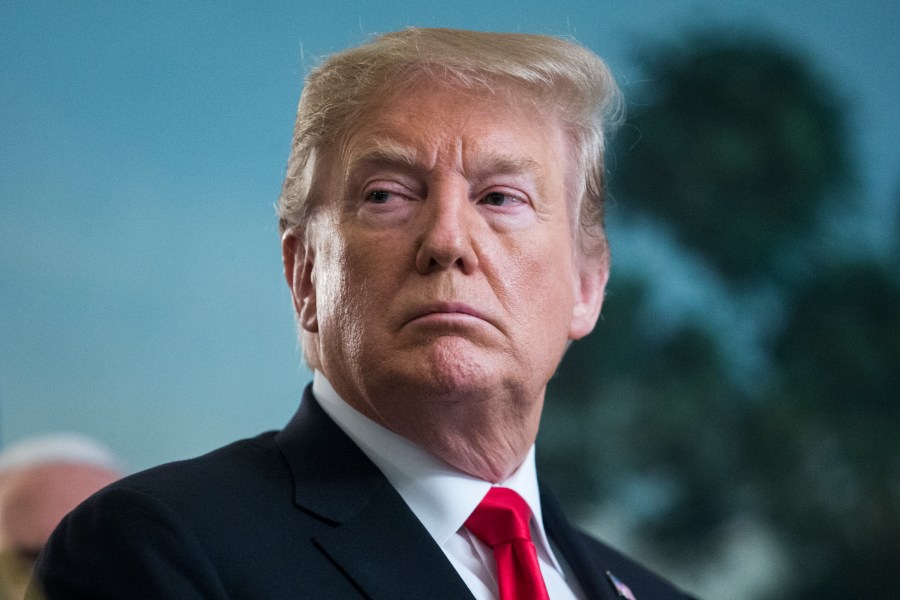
<point>124,543</point>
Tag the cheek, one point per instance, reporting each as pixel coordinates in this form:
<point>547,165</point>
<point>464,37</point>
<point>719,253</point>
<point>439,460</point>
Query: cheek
<point>332,280</point>
<point>539,287</point>
<point>341,312</point>
<point>352,288</point>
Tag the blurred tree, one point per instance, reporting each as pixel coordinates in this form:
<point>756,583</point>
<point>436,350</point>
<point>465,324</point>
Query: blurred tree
<point>736,144</point>
<point>839,359</point>
<point>740,150</point>
<point>649,421</point>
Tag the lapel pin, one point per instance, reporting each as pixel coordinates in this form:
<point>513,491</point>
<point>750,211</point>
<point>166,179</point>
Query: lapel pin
<point>621,589</point>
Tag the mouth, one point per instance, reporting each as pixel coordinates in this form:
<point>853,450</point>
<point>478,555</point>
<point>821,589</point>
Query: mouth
<point>447,312</point>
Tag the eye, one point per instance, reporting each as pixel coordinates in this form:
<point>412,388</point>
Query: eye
<point>500,199</point>
<point>379,196</point>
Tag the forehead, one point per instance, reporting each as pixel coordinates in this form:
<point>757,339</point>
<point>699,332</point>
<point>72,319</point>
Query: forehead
<point>490,128</point>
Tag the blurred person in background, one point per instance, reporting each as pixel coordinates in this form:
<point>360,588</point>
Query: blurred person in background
<point>41,480</point>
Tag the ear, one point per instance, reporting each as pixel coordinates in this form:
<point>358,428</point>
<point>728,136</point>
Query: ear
<point>298,258</point>
<point>589,292</point>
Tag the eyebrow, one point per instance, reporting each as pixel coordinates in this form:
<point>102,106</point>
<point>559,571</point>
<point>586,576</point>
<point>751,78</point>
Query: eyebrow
<point>384,152</point>
<point>489,163</point>
<point>507,164</point>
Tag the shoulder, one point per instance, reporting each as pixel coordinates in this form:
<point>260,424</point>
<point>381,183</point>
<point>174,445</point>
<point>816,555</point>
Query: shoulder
<point>234,493</point>
<point>598,567</point>
<point>621,570</point>
<point>188,529</point>
<point>218,473</point>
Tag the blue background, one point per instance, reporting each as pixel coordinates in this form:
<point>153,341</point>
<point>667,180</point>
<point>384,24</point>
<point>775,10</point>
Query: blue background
<point>142,148</point>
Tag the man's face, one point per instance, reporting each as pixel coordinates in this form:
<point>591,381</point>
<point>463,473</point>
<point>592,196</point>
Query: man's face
<point>442,266</point>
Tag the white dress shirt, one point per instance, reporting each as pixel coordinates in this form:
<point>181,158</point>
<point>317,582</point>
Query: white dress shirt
<point>443,497</point>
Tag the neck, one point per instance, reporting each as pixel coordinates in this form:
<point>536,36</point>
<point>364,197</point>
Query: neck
<point>486,439</point>
<point>486,435</point>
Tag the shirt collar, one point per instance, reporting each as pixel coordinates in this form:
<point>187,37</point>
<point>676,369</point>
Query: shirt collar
<point>441,496</point>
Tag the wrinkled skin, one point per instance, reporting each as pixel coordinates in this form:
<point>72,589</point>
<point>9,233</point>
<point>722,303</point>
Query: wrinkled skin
<point>439,282</point>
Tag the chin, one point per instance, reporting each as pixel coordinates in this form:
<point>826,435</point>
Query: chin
<point>453,369</point>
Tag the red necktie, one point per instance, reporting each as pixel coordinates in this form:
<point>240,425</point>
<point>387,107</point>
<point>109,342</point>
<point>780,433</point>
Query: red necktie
<point>502,522</point>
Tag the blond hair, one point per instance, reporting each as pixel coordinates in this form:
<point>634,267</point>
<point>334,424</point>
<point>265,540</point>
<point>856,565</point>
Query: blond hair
<point>556,74</point>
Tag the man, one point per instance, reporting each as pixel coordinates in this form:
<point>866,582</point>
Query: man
<point>42,479</point>
<point>443,243</point>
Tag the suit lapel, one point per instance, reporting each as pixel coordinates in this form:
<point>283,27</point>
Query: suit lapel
<point>401,560</point>
<point>587,569</point>
<point>376,540</point>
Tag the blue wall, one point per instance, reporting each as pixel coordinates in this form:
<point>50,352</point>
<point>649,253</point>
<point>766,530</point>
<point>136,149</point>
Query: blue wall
<point>142,146</point>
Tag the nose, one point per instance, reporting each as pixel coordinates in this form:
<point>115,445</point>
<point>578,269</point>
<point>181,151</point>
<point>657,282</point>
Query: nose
<point>448,233</point>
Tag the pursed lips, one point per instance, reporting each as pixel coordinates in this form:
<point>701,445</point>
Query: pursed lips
<point>448,310</point>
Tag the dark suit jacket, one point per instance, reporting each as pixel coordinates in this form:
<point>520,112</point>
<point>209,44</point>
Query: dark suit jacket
<point>300,513</point>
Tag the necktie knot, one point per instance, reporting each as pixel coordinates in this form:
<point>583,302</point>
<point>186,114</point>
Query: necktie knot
<point>502,521</point>
<point>503,516</point>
